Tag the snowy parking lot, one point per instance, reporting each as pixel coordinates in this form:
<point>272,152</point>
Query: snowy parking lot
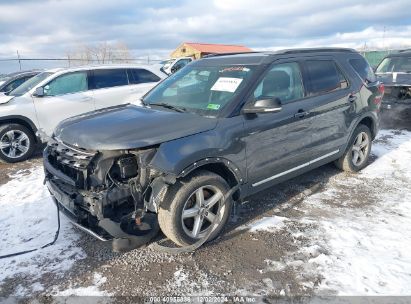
<point>324,233</point>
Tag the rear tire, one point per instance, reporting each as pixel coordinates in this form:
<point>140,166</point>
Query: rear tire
<point>16,143</point>
<point>191,205</point>
<point>358,150</point>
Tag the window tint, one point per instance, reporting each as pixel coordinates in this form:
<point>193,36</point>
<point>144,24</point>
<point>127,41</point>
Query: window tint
<point>282,81</point>
<point>67,84</point>
<point>363,69</point>
<point>109,78</point>
<point>14,84</point>
<point>181,63</point>
<point>137,76</point>
<point>324,76</point>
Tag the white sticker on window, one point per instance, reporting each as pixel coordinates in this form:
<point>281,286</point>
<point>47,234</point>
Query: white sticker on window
<point>226,84</point>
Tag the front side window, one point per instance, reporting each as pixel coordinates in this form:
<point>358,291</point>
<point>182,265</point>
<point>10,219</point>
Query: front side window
<point>137,76</point>
<point>204,90</point>
<point>67,84</point>
<point>324,76</point>
<point>363,69</point>
<point>107,78</point>
<point>282,81</point>
<point>30,84</point>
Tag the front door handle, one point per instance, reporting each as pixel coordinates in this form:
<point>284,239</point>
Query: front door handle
<point>86,99</point>
<point>301,113</point>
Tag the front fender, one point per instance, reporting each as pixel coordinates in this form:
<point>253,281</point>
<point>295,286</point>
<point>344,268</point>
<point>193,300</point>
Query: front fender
<point>223,144</point>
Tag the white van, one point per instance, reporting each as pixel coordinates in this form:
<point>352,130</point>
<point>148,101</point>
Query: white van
<point>43,101</point>
<point>172,65</point>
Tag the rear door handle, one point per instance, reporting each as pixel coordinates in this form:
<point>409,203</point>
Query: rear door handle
<point>301,114</point>
<point>352,98</point>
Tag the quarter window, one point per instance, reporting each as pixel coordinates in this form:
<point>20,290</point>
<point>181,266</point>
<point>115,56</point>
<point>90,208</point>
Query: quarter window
<point>137,76</point>
<point>108,78</point>
<point>67,84</point>
<point>282,81</point>
<point>363,69</point>
<point>324,76</point>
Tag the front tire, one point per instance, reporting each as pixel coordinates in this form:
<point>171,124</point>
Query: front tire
<point>358,151</point>
<point>192,205</point>
<point>16,143</point>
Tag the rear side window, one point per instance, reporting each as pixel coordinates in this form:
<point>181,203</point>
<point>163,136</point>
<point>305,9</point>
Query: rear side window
<point>363,69</point>
<point>137,76</point>
<point>67,84</point>
<point>324,76</point>
<point>108,78</point>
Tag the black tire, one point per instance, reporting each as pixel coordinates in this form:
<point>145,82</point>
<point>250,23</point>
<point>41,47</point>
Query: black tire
<point>347,161</point>
<point>170,215</point>
<point>29,143</point>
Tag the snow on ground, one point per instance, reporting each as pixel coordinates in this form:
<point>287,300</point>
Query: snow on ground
<point>90,291</point>
<point>358,248</point>
<point>28,220</point>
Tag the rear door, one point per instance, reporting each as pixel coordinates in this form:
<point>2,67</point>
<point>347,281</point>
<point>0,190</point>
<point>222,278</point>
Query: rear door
<point>330,98</point>
<point>65,96</point>
<point>110,87</point>
<point>278,143</point>
<point>141,81</point>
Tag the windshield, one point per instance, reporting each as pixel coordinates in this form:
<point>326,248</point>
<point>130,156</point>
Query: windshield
<point>395,64</point>
<point>204,90</point>
<point>29,84</point>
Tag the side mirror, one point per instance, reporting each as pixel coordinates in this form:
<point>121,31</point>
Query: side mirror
<point>269,105</point>
<point>39,92</point>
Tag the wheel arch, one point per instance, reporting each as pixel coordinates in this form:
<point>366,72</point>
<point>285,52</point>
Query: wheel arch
<point>370,122</point>
<point>220,166</point>
<point>21,120</point>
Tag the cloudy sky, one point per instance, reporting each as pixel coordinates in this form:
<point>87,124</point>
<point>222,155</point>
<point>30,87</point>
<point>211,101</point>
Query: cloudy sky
<point>39,28</point>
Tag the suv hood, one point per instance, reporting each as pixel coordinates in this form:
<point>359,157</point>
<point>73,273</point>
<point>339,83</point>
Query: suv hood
<point>129,127</point>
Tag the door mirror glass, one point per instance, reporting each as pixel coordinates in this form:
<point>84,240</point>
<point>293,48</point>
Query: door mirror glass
<point>39,92</point>
<point>266,105</point>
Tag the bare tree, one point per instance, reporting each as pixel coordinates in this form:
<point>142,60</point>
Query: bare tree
<point>100,53</point>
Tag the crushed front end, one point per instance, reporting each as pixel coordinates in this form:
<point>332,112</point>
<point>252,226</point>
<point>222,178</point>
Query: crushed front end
<point>112,195</point>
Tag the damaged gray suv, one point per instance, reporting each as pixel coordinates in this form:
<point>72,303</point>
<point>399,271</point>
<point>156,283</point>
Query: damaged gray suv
<point>217,131</point>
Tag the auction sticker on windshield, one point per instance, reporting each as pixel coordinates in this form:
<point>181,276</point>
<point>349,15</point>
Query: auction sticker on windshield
<point>226,84</point>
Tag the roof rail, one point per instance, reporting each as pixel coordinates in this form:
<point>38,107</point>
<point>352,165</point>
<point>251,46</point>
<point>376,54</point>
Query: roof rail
<point>227,54</point>
<point>315,50</point>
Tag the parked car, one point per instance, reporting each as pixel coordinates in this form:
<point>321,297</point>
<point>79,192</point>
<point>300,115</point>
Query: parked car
<point>172,65</point>
<point>395,72</point>
<point>228,124</point>
<point>11,81</point>
<point>43,101</point>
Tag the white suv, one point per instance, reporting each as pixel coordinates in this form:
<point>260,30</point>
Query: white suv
<point>54,95</point>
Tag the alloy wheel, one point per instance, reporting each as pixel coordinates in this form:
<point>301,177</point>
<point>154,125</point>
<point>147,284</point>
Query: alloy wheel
<point>360,149</point>
<point>201,209</point>
<point>14,143</point>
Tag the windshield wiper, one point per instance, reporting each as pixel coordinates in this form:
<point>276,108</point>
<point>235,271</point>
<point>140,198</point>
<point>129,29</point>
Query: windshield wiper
<point>168,106</point>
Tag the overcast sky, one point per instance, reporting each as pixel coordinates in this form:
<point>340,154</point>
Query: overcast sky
<point>40,28</point>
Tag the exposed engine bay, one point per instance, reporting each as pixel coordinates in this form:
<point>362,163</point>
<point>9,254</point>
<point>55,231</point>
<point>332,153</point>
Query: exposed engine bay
<point>397,93</point>
<point>113,195</point>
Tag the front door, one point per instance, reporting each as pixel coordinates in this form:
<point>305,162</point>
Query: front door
<point>64,96</point>
<point>278,142</point>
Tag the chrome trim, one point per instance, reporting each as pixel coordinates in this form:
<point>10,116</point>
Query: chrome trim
<point>295,168</point>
